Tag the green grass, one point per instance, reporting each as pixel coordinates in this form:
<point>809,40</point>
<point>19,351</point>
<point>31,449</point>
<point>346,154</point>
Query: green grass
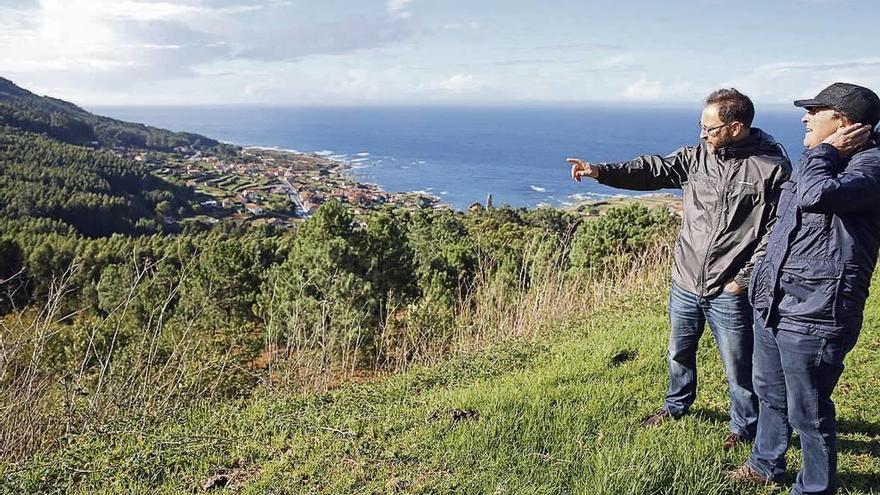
<point>554,417</point>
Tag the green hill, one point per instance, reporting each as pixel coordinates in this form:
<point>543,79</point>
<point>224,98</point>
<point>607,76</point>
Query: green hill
<point>553,415</point>
<point>95,192</point>
<point>62,164</point>
<point>67,122</point>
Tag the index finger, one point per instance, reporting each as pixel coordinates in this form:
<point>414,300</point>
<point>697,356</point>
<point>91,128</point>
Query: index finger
<point>854,128</point>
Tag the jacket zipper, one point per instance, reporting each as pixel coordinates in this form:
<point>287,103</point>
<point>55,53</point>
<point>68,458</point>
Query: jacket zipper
<point>721,211</point>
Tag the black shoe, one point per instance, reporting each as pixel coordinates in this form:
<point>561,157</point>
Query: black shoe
<point>655,419</point>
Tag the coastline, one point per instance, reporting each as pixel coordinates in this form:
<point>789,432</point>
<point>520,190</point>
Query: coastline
<point>455,156</point>
<point>589,202</point>
<point>339,168</point>
<point>334,171</point>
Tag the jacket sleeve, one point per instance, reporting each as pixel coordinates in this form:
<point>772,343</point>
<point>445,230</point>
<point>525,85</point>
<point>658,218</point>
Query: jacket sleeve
<point>822,187</point>
<point>648,172</point>
<point>768,219</point>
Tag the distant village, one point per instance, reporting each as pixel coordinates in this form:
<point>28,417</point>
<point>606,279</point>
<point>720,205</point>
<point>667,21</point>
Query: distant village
<point>263,185</point>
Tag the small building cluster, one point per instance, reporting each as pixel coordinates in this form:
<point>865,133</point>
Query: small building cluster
<point>276,187</point>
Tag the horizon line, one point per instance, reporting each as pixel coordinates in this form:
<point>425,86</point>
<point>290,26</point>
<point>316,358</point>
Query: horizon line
<point>433,104</point>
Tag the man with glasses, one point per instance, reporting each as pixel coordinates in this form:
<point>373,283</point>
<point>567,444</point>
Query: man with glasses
<point>809,289</point>
<point>731,181</point>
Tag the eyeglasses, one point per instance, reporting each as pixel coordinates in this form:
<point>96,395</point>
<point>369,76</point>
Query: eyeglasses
<point>710,130</point>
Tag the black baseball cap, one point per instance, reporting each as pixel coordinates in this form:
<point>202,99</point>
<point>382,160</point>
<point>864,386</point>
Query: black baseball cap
<point>857,103</point>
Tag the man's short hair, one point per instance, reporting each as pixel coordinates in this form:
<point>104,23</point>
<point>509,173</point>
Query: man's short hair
<point>732,106</point>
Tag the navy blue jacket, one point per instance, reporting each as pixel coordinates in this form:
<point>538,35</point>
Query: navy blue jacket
<point>815,275</point>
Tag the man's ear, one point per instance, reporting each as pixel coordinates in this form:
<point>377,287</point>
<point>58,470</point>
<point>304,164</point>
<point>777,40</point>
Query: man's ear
<point>737,127</point>
<point>843,121</point>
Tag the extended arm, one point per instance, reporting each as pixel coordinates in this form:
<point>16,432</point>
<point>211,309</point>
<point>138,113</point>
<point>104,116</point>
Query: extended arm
<point>648,172</point>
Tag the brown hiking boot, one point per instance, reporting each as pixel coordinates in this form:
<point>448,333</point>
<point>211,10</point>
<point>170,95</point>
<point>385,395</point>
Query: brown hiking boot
<point>655,419</point>
<point>748,474</point>
<point>732,441</point>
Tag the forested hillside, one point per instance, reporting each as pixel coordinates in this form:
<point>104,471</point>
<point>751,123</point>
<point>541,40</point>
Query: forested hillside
<point>67,122</point>
<point>93,191</point>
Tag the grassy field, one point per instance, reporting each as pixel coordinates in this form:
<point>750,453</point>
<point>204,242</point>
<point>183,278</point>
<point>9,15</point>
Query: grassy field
<point>556,415</point>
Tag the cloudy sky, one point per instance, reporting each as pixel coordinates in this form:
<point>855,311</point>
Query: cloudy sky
<point>324,52</point>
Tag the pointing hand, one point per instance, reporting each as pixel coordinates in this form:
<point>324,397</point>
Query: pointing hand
<point>580,168</point>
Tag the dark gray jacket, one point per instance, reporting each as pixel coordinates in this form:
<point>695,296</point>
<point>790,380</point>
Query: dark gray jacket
<point>729,203</point>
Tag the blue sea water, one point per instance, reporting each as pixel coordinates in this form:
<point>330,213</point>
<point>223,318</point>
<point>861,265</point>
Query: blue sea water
<point>461,154</point>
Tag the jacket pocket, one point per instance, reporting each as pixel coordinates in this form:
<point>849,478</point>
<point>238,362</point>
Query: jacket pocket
<point>745,191</point>
<point>809,290</point>
<point>814,239</point>
<point>744,209</point>
<point>854,290</point>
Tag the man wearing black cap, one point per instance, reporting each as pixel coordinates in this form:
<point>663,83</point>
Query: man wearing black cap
<point>809,289</point>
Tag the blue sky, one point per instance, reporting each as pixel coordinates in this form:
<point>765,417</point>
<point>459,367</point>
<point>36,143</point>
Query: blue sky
<point>367,52</point>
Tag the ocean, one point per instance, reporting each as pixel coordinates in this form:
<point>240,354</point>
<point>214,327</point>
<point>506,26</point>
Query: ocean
<point>462,154</point>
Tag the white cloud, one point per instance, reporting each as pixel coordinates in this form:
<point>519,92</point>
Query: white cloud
<point>458,84</point>
<point>377,51</point>
<point>645,89</point>
<point>785,81</point>
<point>81,35</point>
<point>116,45</point>
<point>398,8</point>
<point>148,46</point>
<point>463,26</point>
<point>621,60</point>
<point>357,80</point>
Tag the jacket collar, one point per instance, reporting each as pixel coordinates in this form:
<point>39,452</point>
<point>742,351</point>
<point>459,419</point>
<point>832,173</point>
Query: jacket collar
<point>756,141</point>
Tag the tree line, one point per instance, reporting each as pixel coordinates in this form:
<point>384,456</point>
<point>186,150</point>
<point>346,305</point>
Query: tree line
<point>353,280</point>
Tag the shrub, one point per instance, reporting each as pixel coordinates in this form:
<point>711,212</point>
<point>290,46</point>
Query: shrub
<point>618,234</point>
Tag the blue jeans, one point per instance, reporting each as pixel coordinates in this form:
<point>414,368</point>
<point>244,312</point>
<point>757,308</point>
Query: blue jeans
<point>795,374</point>
<point>730,318</point>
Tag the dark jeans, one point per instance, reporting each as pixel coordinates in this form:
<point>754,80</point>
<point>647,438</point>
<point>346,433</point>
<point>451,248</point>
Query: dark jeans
<point>795,374</point>
<point>730,318</point>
